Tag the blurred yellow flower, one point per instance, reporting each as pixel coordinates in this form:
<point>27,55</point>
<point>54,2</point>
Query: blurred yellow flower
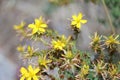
<point>20,26</point>
<point>39,26</point>
<point>96,42</point>
<point>100,67</point>
<point>113,71</point>
<point>85,69</point>
<point>20,48</point>
<point>111,41</point>
<point>60,43</point>
<point>77,20</point>
<point>68,55</point>
<point>43,61</point>
<point>96,38</point>
<point>30,50</point>
<point>30,74</point>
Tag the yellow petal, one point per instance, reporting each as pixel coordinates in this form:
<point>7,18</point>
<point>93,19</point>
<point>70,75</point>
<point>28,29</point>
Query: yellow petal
<point>43,25</point>
<point>31,26</point>
<point>42,30</point>
<point>35,78</point>
<point>22,24</point>
<point>16,27</point>
<point>116,37</point>
<point>34,30</point>
<point>46,66</point>
<point>36,70</point>
<point>40,18</point>
<point>30,69</point>
<point>73,22</point>
<point>20,48</point>
<point>22,78</point>
<point>74,17</point>
<point>80,16</point>
<point>83,21</point>
<point>29,78</point>
<point>78,25</point>
<point>48,61</point>
<point>45,57</point>
<point>23,70</point>
<point>37,22</point>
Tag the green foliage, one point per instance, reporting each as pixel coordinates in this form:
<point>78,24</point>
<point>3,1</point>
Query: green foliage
<point>114,9</point>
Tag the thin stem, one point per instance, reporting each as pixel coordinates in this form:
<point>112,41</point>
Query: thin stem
<point>108,16</point>
<point>44,42</point>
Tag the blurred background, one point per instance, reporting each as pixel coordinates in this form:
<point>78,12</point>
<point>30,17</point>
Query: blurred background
<point>102,15</point>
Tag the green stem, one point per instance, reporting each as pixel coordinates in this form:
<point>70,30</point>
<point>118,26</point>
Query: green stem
<point>108,16</point>
<point>44,42</point>
<point>76,35</point>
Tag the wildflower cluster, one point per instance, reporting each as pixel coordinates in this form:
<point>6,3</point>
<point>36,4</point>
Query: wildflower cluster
<point>62,60</point>
<point>102,44</point>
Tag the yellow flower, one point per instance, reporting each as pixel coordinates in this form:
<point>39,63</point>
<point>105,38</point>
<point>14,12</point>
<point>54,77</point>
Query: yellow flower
<point>77,20</point>
<point>30,74</point>
<point>43,61</point>
<point>63,38</point>
<point>96,38</point>
<point>85,69</point>
<point>30,50</point>
<point>20,48</point>
<point>20,26</point>
<point>96,42</point>
<point>39,26</point>
<point>113,71</point>
<point>68,55</point>
<point>60,43</point>
<point>111,41</point>
<point>100,67</point>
